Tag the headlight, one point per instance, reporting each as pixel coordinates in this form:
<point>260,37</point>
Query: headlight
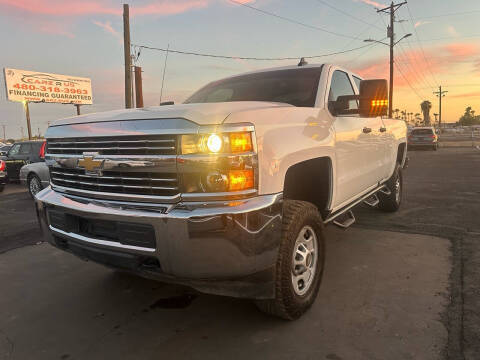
<point>214,143</point>
<point>234,143</point>
<point>218,162</point>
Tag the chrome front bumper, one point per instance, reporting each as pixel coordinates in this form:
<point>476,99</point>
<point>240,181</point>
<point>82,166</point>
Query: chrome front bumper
<point>226,248</point>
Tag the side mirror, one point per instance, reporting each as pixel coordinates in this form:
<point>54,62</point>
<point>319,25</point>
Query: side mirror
<point>373,98</point>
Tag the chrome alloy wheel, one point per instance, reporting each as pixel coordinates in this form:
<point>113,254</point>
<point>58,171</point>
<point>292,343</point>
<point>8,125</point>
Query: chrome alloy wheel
<point>35,186</point>
<point>304,263</point>
<point>397,190</point>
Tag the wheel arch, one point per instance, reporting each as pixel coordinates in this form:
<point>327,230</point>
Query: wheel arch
<point>401,153</point>
<point>311,180</point>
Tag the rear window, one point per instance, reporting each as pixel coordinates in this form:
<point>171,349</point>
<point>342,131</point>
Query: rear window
<point>296,87</point>
<point>422,132</point>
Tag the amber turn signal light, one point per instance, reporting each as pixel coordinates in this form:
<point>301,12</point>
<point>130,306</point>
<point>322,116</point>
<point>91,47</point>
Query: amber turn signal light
<point>241,142</point>
<point>379,103</point>
<point>240,180</point>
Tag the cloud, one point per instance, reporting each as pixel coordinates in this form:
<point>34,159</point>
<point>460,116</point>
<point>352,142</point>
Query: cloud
<point>373,3</point>
<point>421,23</point>
<point>105,7</point>
<point>465,95</point>
<point>440,60</point>
<point>40,13</point>
<point>462,50</point>
<point>55,29</point>
<point>107,27</point>
<point>452,31</point>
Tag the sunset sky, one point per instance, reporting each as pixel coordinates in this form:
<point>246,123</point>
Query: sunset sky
<point>84,38</point>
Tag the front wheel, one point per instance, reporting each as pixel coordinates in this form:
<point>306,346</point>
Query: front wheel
<point>390,202</point>
<point>300,261</point>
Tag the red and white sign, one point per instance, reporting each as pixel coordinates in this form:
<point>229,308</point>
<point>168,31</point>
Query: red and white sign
<point>32,86</point>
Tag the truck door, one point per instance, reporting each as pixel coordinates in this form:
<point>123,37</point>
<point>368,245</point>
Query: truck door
<point>380,162</point>
<point>356,145</point>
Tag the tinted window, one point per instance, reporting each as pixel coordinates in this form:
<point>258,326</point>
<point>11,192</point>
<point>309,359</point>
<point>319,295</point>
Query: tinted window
<point>357,82</point>
<point>25,149</point>
<point>339,86</point>
<point>297,87</point>
<point>14,150</point>
<point>422,132</point>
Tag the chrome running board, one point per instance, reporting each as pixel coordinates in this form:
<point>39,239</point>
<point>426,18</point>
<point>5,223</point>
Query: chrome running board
<point>345,221</point>
<point>372,201</point>
<point>336,214</point>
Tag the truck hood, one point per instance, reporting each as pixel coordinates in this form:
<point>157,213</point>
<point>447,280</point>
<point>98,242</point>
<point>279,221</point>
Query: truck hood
<point>202,114</point>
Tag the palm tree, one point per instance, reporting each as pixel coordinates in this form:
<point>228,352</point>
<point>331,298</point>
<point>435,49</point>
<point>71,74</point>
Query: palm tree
<point>396,111</point>
<point>426,106</point>
<point>404,115</point>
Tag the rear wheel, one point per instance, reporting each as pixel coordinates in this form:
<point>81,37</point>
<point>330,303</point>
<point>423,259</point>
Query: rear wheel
<point>390,201</point>
<point>300,262</point>
<point>34,185</point>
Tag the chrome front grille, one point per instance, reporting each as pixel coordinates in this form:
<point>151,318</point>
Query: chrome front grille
<point>121,145</point>
<point>119,182</point>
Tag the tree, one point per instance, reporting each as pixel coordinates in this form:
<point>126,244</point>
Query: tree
<point>404,115</point>
<point>469,118</point>
<point>396,111</point>
<point>426,107</point>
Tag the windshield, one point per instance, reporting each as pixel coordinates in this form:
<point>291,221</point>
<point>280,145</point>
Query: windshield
<point>297,87</point>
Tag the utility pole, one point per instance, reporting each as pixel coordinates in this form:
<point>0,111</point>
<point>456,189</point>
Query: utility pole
<point>78,109</point>
<point>440,94</point>
<point>23,136</point>
<point>391,34</point>
<point>27,115</point>
<point>138,87</point>
<point>126,54</point>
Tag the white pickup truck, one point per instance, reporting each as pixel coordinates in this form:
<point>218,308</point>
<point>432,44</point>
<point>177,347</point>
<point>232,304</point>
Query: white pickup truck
<point>229,192</point>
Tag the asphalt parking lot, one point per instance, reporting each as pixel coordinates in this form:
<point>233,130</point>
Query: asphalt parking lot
<point>396,286</point>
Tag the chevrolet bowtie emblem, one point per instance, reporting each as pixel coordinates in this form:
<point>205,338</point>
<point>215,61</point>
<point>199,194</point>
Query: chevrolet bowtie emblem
<point>89,163</point>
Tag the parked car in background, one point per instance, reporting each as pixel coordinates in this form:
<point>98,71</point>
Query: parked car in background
<point>4,149</point>
<point>35,176</point>
<point>22,153</point>
<point>423,137</point>
<point>3,175</point>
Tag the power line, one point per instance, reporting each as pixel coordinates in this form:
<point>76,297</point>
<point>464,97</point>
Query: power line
<point>421,75</point>
<point>420,43</point>
<point>292,20</point>
<point>249,58</point>
<point>349,15</point>
<point>408,82</point>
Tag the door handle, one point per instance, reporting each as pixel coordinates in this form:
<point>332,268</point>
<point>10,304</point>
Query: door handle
<point>383,129</point>
<point>367,130</point>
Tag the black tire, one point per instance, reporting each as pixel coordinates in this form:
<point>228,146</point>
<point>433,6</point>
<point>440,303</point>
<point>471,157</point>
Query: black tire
<point>288,304</point>
<point>392,202</point>
<point>34,185</point>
